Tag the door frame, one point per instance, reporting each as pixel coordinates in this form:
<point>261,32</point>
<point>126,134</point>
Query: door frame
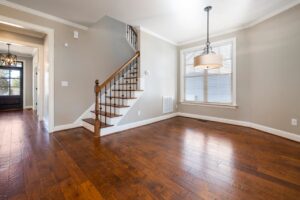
<point>49,60</point>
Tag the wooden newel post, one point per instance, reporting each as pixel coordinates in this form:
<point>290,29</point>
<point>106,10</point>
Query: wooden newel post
<point>97,125</point>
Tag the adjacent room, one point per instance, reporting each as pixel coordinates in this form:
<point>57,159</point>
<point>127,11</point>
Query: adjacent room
<point>142,99</point>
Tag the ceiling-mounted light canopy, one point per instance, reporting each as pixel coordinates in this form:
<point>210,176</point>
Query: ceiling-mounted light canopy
<point>208,59</point>
<point>8,59</point>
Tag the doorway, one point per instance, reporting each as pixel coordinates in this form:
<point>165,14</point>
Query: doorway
<point>11,87</point>
<point>45,67</point>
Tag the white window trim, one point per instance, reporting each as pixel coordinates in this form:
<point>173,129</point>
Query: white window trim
<point>182,73</point>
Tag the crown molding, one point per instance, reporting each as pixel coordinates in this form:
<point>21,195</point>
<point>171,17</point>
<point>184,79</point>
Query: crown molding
<point>245,26</point>
<point>41,14</point>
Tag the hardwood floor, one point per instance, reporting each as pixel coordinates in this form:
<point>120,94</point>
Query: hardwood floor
<point>179,158</point>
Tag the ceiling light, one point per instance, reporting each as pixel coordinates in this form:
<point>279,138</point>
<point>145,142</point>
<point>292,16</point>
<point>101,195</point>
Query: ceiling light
<point>208,59</point>
<point>11,24</point>
<point>8,59</point>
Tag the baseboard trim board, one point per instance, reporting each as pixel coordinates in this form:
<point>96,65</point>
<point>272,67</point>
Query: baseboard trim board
<point>115,129</point>
<point>66,126</point>
<point>28,107</point>
<point>273,131</point>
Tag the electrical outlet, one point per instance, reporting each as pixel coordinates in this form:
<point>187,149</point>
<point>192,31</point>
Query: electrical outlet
<point>139,113</point>
<point>294,122</point>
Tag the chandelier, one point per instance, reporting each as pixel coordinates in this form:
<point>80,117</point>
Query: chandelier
<point>208,59</point>
<point>8,59</point>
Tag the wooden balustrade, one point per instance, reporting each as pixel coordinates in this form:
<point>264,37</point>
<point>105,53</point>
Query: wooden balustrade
<point>108,95</point>
<point>132,36</point>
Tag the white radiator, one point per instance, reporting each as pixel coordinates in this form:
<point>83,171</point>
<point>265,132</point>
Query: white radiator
<point>168,105</point>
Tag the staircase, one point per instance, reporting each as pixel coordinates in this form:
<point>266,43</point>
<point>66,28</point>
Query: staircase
<point>115,96</point>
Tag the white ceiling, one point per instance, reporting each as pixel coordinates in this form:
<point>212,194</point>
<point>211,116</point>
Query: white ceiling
<point>176,20</point>
<point>17,49</point>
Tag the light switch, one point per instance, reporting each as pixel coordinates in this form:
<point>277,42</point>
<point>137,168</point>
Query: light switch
<point>294,122</point>
<point>64,83</point>
<point>147,72</point>
<point>76,34</point>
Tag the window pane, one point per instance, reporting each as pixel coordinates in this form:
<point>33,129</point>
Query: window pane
<point>4,82</point>
<point>19,64</point>
<point>15,83</point>
<point>226,51</point>
<point>15,74</point>
<point>14,91</point>
<point>225,69</point>
<point>194,89</point>
<point>4,73</point>
<point>189,57</point>
<point>4,91</point>
<point>219,88</point>
<point>189,63</point>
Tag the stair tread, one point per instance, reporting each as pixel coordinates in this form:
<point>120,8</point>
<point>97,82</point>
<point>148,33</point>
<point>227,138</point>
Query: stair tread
<point>128,83</point>
<point>114,105</point>
<point>128,90</point>
<point>108,114</point>
<point>92,122</point>
<point>131,78</point>
<point>116,97</point>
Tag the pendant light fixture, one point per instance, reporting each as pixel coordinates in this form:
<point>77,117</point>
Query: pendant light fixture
<point>8,59</point>
<point>208,59</point>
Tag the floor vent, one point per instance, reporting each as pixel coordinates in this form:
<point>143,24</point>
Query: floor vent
<point>168,106</point>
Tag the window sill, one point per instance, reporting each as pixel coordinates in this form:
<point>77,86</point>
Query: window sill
<point>193,103</point>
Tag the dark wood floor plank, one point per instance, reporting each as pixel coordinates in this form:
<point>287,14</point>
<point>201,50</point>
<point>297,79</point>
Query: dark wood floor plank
<point>179,158</point>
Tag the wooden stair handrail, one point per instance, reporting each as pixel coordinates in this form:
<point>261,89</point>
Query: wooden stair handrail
<point>99,87</point>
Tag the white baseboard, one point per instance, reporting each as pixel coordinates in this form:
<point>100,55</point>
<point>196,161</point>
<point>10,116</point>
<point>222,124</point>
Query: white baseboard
<point>66,126</point>
<point>27,107</point>
<point>114,129</point>
<point>281,133</point>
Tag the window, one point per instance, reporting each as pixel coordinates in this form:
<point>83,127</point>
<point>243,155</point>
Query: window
<point>10,80</point>
<point>213,86</point>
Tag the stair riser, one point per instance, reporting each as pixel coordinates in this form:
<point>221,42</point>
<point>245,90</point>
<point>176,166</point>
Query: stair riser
<point>120,93</point>
<point>118,111</point>
<point>126,87</point>
<point>111,121</point>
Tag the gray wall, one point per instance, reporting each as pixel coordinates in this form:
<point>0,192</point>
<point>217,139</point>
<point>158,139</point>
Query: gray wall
<point>268,74</point>
<point>160,59</point>
<point>28,79</point>
<point>96,54</point>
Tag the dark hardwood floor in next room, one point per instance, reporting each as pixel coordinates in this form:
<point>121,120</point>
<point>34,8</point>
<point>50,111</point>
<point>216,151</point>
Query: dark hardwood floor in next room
<point>179,158</point>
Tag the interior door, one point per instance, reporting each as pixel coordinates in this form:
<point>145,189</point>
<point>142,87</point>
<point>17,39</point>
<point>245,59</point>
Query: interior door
<point>11,87</point>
